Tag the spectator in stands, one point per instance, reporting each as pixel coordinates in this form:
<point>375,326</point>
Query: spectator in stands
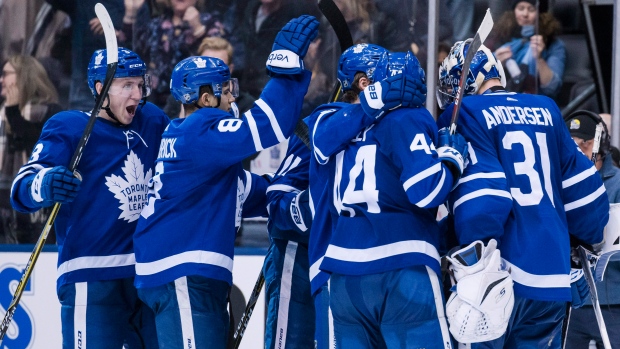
<point>260,24</point>
<point>582,325</point>
<point>534,61</point>
<point>86,37</point>
<point>30,99</point>
<point>171,37</point>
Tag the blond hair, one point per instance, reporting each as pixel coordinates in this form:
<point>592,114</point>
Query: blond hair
<point>215,43</point>
<point>33,83</point>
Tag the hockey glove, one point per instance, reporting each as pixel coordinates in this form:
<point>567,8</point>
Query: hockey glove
<point>452,151</point>
<point>291,45</point>
<point>579,289</point>
<point>480,308</point>
<point>397,90</point>
<point>53,185</point>
<point>300,211</point>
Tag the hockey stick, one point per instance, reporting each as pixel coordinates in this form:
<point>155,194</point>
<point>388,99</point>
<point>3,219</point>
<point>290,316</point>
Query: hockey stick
<point>585,264</point>
<point>245,318</point>
<point>339,24</point>
<point>112,59</point>
<point>481,35</point>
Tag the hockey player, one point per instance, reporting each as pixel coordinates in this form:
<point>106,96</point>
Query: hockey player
<point>290,309</point>
<point>525,188</point>
<point>383,188</point>
<point>185,237</point>
<point>101,205</point>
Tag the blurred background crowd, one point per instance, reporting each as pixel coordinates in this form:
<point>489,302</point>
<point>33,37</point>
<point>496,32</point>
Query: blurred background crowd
<point>45,47</point>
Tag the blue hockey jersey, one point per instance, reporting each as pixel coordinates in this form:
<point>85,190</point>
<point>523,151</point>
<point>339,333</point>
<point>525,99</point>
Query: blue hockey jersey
<point>200,190</point>
<point>384,188</point>
<point>94,233</point>
<point>288,220</point>
<point>526,185</point>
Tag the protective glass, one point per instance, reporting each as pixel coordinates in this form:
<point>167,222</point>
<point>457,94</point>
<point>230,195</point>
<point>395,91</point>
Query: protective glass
<point>125,88</point>
<point>231,86</point>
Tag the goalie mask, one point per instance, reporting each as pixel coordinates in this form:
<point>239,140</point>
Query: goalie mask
<point>193,72</point>
<point>484,66</point>
<point>129,65</point>
<point>365,58</point>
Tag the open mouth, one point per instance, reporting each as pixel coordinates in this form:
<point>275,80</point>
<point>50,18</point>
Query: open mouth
<point>131,109</point>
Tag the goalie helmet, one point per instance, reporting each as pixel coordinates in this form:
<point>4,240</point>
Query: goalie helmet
<point>193,72</point>
<point>484,66</point>
<point>365,58</point>
<point>129,64</point>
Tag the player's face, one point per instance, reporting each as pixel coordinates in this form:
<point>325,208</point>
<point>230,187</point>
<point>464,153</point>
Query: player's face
<point>8,78</point>
<point>227,97</point>
<point>525,13</point>
<point>125,95</point>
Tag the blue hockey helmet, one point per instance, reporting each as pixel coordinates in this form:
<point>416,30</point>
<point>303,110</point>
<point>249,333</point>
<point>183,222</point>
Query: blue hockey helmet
<point>193,72</point>
<point>484,66</point>
<point>366,58</point>
<point>129,64</point>
<point>407,63</point>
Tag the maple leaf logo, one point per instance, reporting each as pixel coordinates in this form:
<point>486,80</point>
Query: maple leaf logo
<point>131,191</point>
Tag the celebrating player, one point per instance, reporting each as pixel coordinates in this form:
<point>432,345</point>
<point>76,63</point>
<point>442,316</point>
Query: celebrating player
<point>525,188</point>
<point>101,205</point>
<point>383,188</point>
<point>185,237</point>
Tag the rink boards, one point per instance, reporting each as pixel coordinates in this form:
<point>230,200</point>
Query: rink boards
<point>36,323</point>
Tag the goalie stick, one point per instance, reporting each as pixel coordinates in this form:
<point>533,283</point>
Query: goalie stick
<point>481,35</point>
<point>112,59</point>
<point>339,24</point>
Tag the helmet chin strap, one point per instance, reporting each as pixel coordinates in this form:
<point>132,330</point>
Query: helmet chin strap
<point>111,114</point>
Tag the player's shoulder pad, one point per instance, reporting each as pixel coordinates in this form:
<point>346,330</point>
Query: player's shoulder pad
<point>407,116</point>
<point>153,113</point>
<point>67,122</point>
<point>324,109</point>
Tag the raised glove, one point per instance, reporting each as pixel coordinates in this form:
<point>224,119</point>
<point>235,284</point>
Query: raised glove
<point>291,45</point>
<point>481,307</point>
<point>397,90</point>
<point>580,292</point>
<point>452,151</point>
<point>52,185</point>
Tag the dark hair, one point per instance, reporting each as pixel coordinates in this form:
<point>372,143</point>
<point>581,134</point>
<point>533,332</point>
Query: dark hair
<point>507,27</point>
<point>353,94</point>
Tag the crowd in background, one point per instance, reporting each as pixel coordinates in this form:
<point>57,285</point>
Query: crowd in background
<point>62,34</point>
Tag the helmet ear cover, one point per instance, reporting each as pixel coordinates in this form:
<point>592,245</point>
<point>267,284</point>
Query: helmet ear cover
<point>190,74</point>
<point>129,65</point>
<point>484,66</point>
<point>605,144</point>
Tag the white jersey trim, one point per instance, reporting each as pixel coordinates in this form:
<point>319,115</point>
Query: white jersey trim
<point>578,177</point>
<point>427,200</point>
<point>23,172</point>
<point>201,257</point>
<point>539,281</point>
<point>441,314</point>
<point>185,311</point>
<point>422,175</point>
<point>272,119</point>
<point>479,193</point>
<point>282,187</point>
<point>489,175</point>
<point>315,268</point>
<point>380,252</point>
<point>286,287</point>
<point>253,130</point>
<point>90,262</point>
<point>585,200</point>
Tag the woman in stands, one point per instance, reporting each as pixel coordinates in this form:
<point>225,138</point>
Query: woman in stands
<point>529,49</point>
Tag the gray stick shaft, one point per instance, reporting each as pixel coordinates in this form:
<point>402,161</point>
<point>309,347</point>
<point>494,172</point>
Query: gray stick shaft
<point>587,271</point>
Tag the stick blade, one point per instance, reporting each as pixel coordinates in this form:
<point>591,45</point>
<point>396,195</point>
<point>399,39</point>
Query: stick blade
<point>108,32</point>
<point>486,26</point>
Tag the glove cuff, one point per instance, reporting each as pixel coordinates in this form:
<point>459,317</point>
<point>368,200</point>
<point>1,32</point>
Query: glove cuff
<point>453,159</point>
<point>36,185</point>
<point>284,62</point>
<point>371,100</point>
